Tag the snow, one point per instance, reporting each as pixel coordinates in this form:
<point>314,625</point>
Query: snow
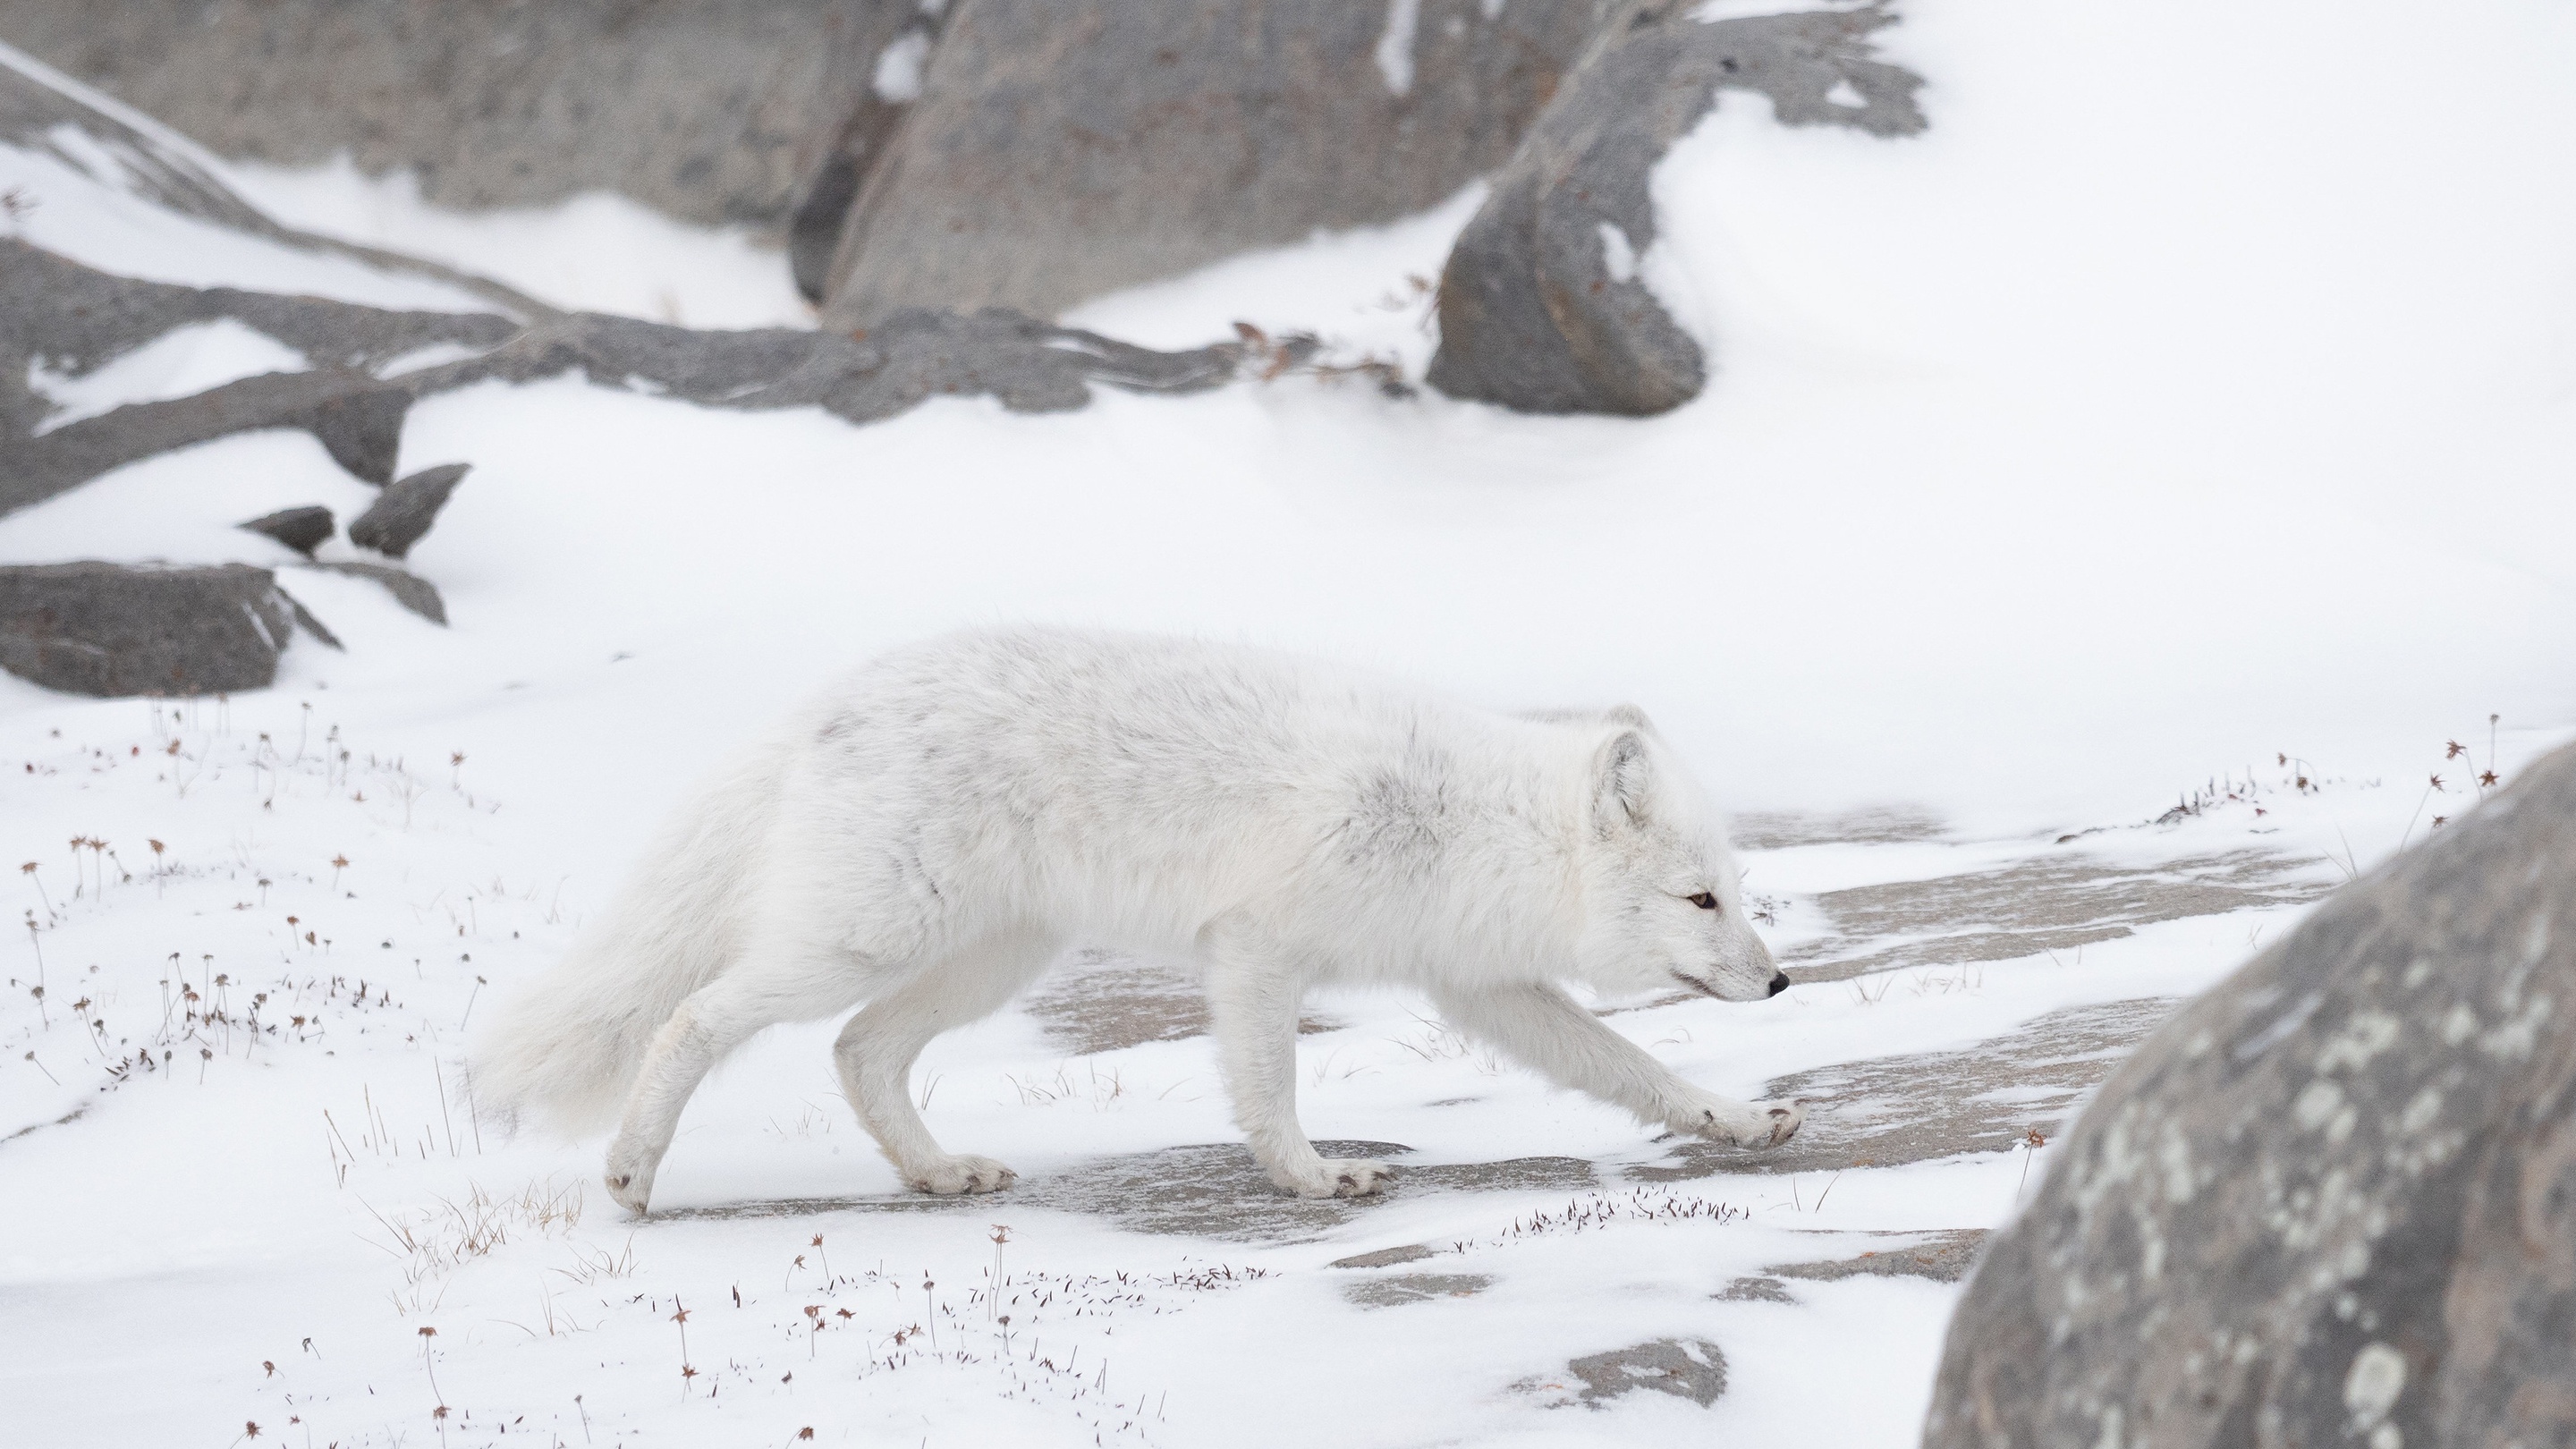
<point>898,74</point>
<point>1394,54</point>
<point>77,198</point>
<point>1368,291</point>
<point>184,361</point>
<point>596,252</point>
<point>2171,419</point>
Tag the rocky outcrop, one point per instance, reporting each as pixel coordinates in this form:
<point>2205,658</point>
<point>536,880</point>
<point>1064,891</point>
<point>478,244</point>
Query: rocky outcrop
<point>709,110</point>
<point>1544,307</point>
<point>2334,1201</point>
<point>402,514</point>
<point>75,319</point>
<point>1061,149</point>
<point>109,629</point>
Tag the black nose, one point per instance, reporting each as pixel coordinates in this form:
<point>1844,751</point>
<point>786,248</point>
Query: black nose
<point>1779,982</point>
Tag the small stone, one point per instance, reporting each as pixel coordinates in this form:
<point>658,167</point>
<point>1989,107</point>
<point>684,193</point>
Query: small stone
<point>402,514</point>
<point>301,529</point>
<point>409,589</point>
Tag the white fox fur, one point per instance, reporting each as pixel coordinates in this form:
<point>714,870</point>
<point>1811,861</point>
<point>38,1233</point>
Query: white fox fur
<point>928,835</point>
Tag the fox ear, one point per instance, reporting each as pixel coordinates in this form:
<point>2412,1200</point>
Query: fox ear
<point>1630,716</point>
<point>1622,780</point>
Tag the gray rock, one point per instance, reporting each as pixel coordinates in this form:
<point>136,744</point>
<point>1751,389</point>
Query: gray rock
<point>1387,1257</point>
<point>1108,1002</point>
<point>357,419</point>
<point>1755,1290</point>
<point>1396,1290</point>
<point>1215,1191</point>
<point>402,514</point>
<point>1061,149</point>
<point>1692,1369</point>
<point>301,529</point>
<point>409,589</point>
<point>2058,904</point>
<point>1942,1257</point>
<point>709,110</point>
<point>1928,1105</point>
<point>36,113</point>
<point>2333,1201</point>
<point>74,320</point>
<point>80,319</point>
<point>1539,309</point>
<point>110,629</point>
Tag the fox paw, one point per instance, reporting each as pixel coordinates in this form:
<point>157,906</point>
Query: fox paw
<point>630,1177</point>
<point>959,1176</point>
<point>1746,1124</point>
<point>1337,1177</point>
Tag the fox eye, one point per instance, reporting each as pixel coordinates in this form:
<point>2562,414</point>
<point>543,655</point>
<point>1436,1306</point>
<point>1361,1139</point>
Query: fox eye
<point>1704,901</point>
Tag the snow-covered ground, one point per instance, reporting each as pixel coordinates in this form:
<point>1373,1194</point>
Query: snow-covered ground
<point>594,253</point>
<point>2185,416</point>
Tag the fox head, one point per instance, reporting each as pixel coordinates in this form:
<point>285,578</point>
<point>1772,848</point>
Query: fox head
<point>1661,904</point>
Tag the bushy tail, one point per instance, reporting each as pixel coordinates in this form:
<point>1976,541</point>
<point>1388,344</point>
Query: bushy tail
<point>566,1050</point>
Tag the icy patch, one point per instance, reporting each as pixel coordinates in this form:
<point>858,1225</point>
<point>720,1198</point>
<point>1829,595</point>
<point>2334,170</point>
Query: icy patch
<point>1395,47</point>
<point>593,253</point>
<point>181,362</point>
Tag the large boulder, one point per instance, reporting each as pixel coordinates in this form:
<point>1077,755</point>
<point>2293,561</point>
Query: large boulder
<point>2331,1203</point>
<point>1543,306</point>
<point>111,629</point>
<point>1060,149</point>
<point>709,110</point>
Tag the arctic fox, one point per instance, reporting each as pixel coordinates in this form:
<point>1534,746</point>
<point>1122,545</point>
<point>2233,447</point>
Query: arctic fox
<point>928,835</point>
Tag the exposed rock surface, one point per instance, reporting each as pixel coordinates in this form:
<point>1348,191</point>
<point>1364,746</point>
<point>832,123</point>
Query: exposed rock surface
<point>1387,1257</point>
<point>1397,1289</point>
<point>1107,1002</point>
<point>301,529</point>
<point>2334,1201</point>
<point>710,110</point>
<point>76,319</point>
<point>409,589</point>
<point>1892,1110</point>
<point>152,164</point>
<point>402,514</point>
<point>1211,1191</point>
<point>109,629</point>
<point>1692,1369</point>
<point>2033,906</point>
<point>1542,305</point>
<point>1941,1257</point>
<point>1061,149</point>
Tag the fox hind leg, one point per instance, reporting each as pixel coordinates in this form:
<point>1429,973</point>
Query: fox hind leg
<point>875,1053</point>
<point>761,990</point>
